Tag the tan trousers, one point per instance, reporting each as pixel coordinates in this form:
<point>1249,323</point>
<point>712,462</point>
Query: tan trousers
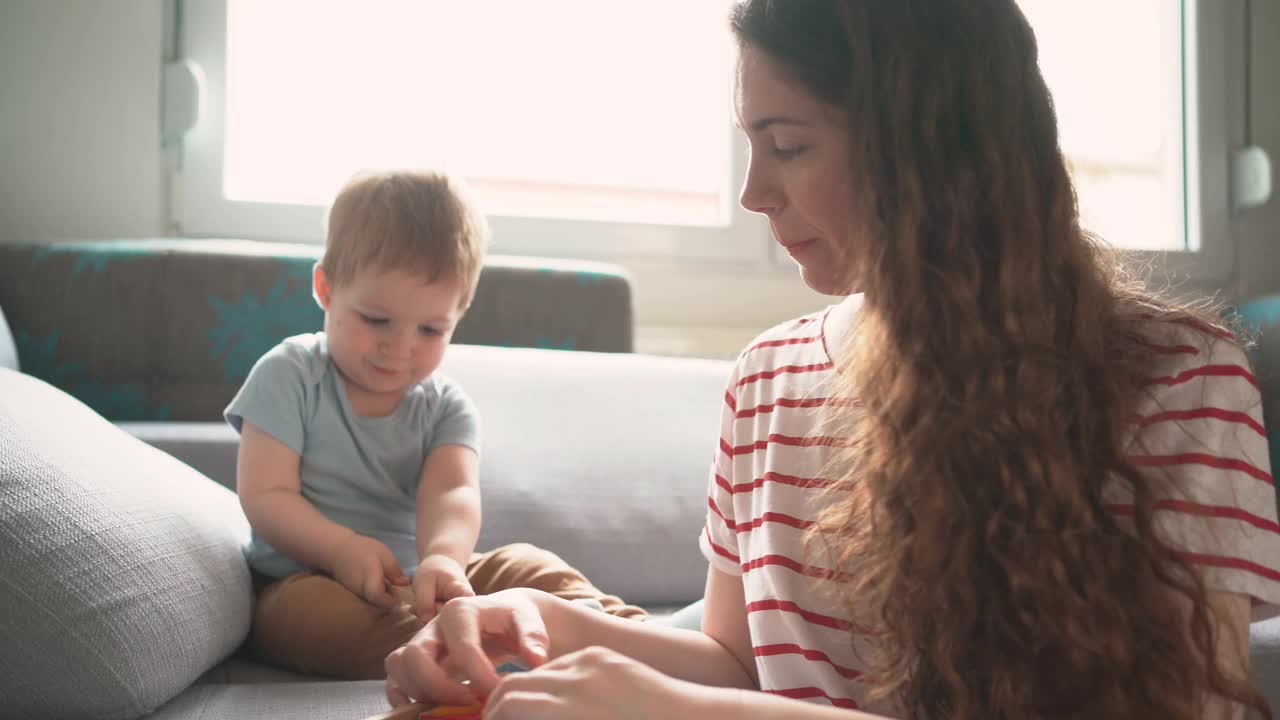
<point>310,623</point>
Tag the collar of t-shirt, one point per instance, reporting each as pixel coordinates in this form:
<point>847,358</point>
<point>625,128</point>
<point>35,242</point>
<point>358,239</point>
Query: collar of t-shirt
<point>837,327</point>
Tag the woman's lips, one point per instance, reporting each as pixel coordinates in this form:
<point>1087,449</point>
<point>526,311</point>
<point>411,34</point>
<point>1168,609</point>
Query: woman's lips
<point>795,249</point>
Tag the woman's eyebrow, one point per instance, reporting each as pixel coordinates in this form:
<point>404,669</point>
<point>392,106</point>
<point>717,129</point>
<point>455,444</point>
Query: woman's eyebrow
<point>765,123</point>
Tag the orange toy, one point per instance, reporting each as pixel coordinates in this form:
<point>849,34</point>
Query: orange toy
<point>419,711</point>
<point>455,712</point>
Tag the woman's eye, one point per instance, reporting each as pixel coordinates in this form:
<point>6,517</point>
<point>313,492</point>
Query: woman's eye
<point>373,320</point>
<point>786,153</point>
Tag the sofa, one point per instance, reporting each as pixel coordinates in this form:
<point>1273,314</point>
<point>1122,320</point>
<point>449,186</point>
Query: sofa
<point>123,593</point>
<point>123,587</point>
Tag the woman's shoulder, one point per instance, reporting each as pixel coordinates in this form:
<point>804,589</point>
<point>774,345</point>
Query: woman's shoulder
<point>1181,341</point>
<point>797,336</point>
<point>1198,361</point>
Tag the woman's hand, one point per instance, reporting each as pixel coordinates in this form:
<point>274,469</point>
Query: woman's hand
<point>468,638</point>
<point>593,684</point>
<point>438,580</point>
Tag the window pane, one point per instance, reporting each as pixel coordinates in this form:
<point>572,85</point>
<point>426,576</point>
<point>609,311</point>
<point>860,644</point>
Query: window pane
<point>1115,71</point>
<point>559,107</point>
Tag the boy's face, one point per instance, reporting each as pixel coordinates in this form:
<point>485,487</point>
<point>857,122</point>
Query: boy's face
<point>387,331</point>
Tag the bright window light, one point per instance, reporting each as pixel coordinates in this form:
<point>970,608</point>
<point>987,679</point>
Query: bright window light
<point>1115,71</point>
<point>559,108</point>
<point>621,112</point>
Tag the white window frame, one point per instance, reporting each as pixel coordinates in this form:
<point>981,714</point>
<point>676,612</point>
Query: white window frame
<point>1213,87</point>
<point>203,211</point>
<point>1214,107</point>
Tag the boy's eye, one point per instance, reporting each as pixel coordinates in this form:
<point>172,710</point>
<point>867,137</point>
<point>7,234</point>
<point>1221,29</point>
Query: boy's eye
<point>428,330</point>
<point>371,320</point>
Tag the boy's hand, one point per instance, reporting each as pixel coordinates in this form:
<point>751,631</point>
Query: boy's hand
<point>365,567</point>
<point>439,579</point>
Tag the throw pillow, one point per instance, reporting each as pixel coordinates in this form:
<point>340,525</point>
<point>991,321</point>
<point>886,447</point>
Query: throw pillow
<point>122,578</point>
<point>8,347</point>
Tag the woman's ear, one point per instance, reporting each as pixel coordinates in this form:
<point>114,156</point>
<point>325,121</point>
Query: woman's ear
<point>320,287</point>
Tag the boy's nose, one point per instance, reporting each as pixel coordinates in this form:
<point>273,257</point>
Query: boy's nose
<point>398,345</point>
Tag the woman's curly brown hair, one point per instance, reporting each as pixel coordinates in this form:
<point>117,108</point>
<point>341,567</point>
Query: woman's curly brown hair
<point>998,365</point>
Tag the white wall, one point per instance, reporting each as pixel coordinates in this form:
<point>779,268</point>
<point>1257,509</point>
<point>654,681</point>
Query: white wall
<point>1257,232</point>
<point>79,119</point>
<point>80,157</point>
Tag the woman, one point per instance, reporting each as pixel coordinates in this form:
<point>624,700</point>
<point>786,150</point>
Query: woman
<point>997,481</point>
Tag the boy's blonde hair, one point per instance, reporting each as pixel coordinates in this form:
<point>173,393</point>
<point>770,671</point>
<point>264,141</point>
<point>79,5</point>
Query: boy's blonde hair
<point>419,221</point>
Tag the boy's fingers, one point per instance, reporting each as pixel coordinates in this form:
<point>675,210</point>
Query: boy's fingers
<point>375,591</point>
<point>425,592</point>
<point>391,567</point>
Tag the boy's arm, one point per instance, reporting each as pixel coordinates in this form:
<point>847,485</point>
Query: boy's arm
<point>269,483</point>
<point>449,504</point>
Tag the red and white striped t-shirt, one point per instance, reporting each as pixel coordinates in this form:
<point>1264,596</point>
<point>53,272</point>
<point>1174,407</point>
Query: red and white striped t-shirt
<point>1201,423</point>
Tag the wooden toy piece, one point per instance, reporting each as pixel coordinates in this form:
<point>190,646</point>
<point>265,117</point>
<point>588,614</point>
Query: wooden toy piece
<point>454,712</point>
<point>404,593</point>
<point>421,711</point>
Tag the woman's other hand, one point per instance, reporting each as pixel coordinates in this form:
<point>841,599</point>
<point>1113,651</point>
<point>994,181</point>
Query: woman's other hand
<point>453,659</point>
<point>593,684</point>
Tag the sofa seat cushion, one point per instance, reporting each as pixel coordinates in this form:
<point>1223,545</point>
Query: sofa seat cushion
<point>328,700</point>
<point>602,459</point>
<point>122,577</point>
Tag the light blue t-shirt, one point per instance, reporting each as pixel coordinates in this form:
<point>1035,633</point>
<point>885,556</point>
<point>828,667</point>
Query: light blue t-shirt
<point>361,472</point>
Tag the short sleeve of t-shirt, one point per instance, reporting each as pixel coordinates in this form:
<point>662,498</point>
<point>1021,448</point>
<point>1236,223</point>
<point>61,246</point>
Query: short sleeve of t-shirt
<point>718,541</point>
<point>274,395</point>
<point>1200,431</point>
<point>457,421</point>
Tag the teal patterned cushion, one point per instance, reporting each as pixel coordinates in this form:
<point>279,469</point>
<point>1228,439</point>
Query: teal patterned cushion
<point>1263,315</point>
<point>167,329</point>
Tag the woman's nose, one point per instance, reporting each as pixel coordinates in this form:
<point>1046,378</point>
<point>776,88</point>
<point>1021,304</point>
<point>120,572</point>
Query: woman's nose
<point>759,194</point>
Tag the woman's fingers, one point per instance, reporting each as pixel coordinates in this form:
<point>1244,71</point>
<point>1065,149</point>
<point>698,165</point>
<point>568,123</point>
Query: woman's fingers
<point>460,630</point>
<point>415,672</point>
<point>396,696</point>
<point>452,660</point>
<point>531,636</point>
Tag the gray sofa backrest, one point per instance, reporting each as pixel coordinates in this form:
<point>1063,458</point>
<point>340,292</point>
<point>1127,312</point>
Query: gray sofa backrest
<point>167,329</point>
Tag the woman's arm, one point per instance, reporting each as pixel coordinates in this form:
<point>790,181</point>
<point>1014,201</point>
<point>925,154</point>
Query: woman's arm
<point>671,681</point>
<point>470,635</point>
<point>720,655</point>
<point>601,684</point>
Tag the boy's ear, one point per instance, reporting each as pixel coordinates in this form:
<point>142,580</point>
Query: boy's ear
<point>320,287</point>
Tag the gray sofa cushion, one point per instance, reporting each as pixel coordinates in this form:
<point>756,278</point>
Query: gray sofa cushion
<point>8,349</point>
<point>602,459</point>
<point>121,573</point>
<point>287,701</point>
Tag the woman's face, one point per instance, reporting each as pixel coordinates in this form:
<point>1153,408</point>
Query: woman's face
<point>798,175</point>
